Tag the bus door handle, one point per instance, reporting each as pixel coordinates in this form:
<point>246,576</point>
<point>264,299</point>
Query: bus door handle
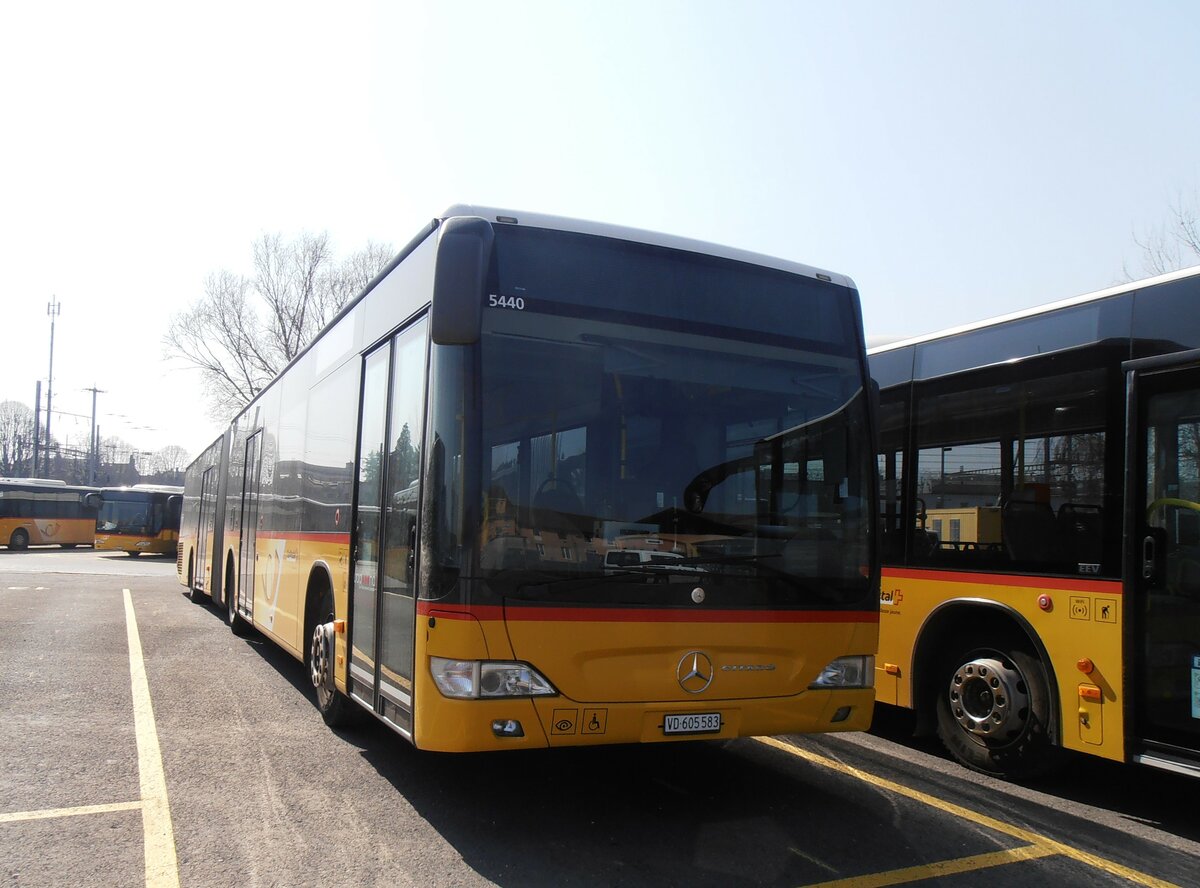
<point>1154,548</point>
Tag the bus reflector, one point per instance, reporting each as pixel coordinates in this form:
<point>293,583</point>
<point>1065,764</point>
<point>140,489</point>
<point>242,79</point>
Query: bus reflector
<point>1090,692</point>
<point>1085,665</point>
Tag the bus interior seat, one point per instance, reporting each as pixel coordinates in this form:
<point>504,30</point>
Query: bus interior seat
<point>558,508</point>
<point>1028,524</point>
<point>1081,529</point>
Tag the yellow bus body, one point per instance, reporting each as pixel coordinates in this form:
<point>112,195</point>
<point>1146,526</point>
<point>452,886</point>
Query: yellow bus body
<point>1077,622</point>
<point>576,654</point>
<point>164,543</point>
<point>50,531</point>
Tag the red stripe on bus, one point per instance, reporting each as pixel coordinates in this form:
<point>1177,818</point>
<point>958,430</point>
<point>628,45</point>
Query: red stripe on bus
<point>1068,584</point>
<point>631,615</point>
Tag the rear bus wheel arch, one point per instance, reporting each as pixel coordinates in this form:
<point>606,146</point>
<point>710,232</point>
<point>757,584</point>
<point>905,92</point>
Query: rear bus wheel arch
<point>954,632</point>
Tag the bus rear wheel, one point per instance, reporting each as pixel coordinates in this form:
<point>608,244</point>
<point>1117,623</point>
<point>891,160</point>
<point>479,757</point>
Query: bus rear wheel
<point>994,710</point>
<point>19,539</point>
<point>335,707</point>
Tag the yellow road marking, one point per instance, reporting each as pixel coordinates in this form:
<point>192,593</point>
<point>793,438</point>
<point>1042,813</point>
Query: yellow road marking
<point>941,868</point>
<point>1032,838</point>
<point>49,813</point>
<point>162,866</point>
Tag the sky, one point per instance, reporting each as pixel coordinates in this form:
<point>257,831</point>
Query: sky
<point>958,161</point>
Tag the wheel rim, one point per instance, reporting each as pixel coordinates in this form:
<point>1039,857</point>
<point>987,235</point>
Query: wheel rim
<point>320,665</point>
<point>989,699</point>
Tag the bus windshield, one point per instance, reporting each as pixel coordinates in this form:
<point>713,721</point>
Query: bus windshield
<point>137,516</point>
<point>704,423</point>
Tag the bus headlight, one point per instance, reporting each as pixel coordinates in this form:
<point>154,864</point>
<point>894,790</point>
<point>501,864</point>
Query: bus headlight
<point>471,679</point>
<point>847,672</point>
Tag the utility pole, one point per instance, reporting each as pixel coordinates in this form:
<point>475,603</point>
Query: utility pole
<point>53,308</point>
<point>94,455</point>
<point>37,427</point>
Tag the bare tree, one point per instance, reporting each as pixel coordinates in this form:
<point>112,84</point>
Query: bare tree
<point>244,330</point>
<point>171,458</point>
<point>16,439</point>
<point>1174,244</point>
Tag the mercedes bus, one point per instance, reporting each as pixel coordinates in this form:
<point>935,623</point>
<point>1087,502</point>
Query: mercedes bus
<point>422,505</point>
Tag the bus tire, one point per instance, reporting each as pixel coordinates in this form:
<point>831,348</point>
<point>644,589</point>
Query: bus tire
<point>197,596</point>
<point>335,707</point>
<point>994,710</point>
<point>19,539</point>
<point>133,553</point>
<point>238,624</point>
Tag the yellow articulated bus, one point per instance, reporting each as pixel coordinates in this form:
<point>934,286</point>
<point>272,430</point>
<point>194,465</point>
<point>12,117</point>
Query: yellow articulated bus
<point>142,519</point>
<point>422,505</point>
<point>1040,497</point>
<point>41,512</point>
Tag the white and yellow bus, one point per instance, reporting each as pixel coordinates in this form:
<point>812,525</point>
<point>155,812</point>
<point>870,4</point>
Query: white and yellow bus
<point>1040,496</point>
<point>41,512</point>
<point>420,506</point>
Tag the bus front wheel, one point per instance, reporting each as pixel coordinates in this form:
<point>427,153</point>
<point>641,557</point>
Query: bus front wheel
<point>19,539</point>
<point>994,710</point>
<point>335,706</point>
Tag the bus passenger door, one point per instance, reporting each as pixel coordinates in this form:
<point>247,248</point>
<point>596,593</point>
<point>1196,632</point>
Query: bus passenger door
<point>201,567</point>
<point>248,552</point>
<point>383,617</point>
<point>398,583</point>
<point>372,429</point>
<point>1163,581</point>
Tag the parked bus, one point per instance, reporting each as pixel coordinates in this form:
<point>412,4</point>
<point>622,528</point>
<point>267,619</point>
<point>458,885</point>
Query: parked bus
<point>40,512</point>
<point>420,505</point>
<point>1040,496</point>
<point>142,519</point>
<point>202,521</point>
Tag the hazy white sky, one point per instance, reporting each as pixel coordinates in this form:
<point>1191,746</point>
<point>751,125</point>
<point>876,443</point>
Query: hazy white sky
<point>957,160</point>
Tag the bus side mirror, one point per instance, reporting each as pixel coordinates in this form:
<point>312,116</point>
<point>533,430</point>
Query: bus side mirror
<point>464,253</point>
<point>92,500</point>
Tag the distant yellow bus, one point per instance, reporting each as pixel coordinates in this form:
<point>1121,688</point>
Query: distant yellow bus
<point>425,505</point>
<point>39,512</point>
<point>138,520</point>
<point>1040,496</point>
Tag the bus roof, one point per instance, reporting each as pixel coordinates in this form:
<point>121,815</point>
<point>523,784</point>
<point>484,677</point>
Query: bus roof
<point>1096,296</point>
<point>636,235</point>
<point>143,488</point>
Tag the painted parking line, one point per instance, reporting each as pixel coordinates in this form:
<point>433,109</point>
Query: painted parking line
<point>1036,845</point>
<point>941,868</point>
<point>52,813</point>
<point>162,865</point>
